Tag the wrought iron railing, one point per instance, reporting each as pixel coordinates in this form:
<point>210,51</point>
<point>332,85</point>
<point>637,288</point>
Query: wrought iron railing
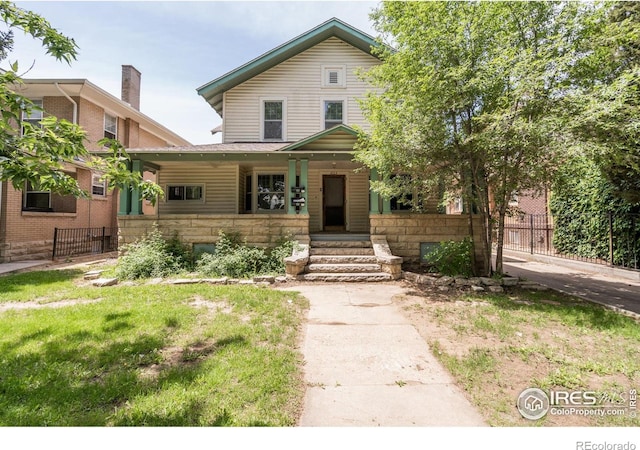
<point>612,240</point>
<point>84,241</point>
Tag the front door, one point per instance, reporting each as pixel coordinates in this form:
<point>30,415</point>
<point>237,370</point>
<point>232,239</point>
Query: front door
<point>333,187</point>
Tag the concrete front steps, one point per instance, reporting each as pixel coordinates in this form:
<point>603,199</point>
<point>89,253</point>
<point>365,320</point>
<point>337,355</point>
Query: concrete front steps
<point>342,258</point>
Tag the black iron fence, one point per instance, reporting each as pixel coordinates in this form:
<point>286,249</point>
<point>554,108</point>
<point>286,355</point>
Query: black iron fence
<point>608,239</point>
<point>84,241</point>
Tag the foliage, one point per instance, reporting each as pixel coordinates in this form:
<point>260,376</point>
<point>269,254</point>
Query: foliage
<point>39,154</point>
<point>154,256</point>
<point>469,98</point>
<point>581,203</point>
<point>452,257</point>
<point>233,258</point>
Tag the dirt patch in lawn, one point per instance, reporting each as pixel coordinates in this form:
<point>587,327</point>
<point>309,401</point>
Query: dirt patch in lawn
<point>39,305</point>
<point>497,345</point>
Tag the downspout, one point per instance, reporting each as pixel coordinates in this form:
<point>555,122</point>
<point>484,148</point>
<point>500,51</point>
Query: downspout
<point>75,122</point>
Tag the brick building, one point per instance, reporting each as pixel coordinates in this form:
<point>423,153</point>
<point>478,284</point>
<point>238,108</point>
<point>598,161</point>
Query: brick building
<point>28,217</point>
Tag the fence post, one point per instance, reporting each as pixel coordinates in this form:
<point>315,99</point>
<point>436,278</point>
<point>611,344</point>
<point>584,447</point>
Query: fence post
<point>531,232</point>
<point>610,238</point>
<point>55,242</point>
<point>102,240</point>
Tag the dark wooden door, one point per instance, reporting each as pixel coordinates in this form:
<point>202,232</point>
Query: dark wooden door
<point>333,202</point>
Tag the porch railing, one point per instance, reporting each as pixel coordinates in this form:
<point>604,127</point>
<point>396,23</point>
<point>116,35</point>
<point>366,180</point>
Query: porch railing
<point>84,241</point>
<point>612,240</point>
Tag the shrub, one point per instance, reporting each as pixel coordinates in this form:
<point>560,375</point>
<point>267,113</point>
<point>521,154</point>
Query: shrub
<point>233,258</point>
<point>153,256</point>
<point>452,257</point>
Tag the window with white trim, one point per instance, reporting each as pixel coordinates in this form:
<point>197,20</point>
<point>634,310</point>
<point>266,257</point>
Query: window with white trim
<point>35,199</point>
<point>110,126</point>
<point>334,76</point>
<point>184,192</point>
<point>273,120</point>
<point>333,113</point>
<point>33,116</point>
<point>98,186</point>
<point>458,205</point>
<point>271,192</point>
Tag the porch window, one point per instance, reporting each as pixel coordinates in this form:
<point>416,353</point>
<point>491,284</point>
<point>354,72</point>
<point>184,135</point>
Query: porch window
<point>184,192</point>
<point>110,126</point>
<point>332,114</point>
<point>404,202</point>
<point>34,116</point>
<point>98,186</point>
<point>271,192</point>
<point>273,119</point>
<point>36,199</point>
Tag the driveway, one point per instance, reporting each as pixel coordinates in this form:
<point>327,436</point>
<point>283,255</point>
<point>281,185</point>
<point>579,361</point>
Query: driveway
<point>366,365</point>
<point>611,291</point>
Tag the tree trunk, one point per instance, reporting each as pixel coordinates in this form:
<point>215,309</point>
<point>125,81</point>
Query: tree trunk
<point>500,242</point>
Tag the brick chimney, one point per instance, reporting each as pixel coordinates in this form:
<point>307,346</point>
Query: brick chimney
<point>131,86</point>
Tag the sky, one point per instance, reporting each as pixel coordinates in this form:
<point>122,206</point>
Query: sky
<point>177,46</point>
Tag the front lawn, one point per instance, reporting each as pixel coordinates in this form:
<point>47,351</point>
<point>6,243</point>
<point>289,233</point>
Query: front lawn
<point>147,355</point>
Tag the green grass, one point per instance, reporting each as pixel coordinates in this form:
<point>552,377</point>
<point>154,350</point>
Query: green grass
<point>146,356</point>
<point>536,339</point>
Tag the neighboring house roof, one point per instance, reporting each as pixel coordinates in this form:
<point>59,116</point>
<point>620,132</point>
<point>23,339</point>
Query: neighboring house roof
<point>212,92</point>
<point>85,89</point>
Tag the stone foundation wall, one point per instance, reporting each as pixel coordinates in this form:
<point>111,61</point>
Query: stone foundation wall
<point>405,232</point>
<point>22,251</point>
<point>261,230</point>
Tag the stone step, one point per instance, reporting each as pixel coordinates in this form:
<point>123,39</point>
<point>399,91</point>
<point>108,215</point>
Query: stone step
<point>340,237</point>
<point>340,244</point>
<point>343,259</point>
<point>355,251</point>
<point>342,268</point>
<point>346,277</point>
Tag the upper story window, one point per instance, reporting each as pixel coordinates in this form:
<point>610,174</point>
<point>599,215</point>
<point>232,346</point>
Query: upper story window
<point>334,76</point>
<point>273,120</point>
<point>34,116</point>
<point>110,126</point>
<point>98,186</point>
<point>333,113</point>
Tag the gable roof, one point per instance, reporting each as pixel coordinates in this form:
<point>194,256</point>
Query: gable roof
<point>212,91</point>
<point>333,138</point>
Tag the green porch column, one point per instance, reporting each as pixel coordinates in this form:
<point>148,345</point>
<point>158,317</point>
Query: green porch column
<point>292,182</point>
<point>374,197</point>
<point>386,205</point>
<point>304,181</point>
<point>136,198</point>
<point>125,197</point>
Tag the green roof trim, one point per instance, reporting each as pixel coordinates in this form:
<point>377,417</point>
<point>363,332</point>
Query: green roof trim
<point>322,134</point>
<point>212,91</point>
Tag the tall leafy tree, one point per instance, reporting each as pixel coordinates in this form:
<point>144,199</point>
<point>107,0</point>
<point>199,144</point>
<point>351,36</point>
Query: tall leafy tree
<point>38,154</point>
<point>467,99</point>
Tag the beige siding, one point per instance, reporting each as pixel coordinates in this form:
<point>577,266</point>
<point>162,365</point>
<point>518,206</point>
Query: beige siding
<point>220,185</point>
<point>315,200</point>
<point>299,81</point>
<point>358,201</point>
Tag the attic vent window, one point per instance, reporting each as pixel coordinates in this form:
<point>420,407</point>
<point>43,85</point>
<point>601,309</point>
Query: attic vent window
<point>334,76</point>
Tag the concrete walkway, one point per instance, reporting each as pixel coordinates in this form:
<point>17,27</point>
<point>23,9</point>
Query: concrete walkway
<point>12,267</point>
<point>366,365</point>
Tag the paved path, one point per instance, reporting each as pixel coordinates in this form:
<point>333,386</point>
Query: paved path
<point>608,290</point>
<point>366,365</point>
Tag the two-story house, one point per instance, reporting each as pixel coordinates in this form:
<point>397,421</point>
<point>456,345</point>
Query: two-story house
<point>285,165</point>
<point>28,217</point>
